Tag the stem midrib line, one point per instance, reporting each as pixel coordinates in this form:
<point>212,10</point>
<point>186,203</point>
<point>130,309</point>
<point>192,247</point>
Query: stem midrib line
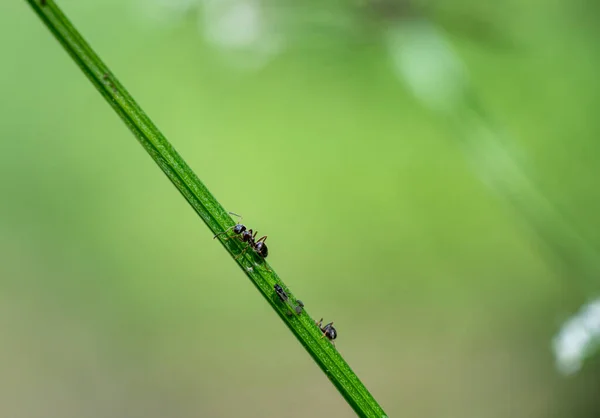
<point>207,207</point>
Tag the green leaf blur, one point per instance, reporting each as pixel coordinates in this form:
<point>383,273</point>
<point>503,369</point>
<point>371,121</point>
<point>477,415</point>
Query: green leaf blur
<point>445,298</point>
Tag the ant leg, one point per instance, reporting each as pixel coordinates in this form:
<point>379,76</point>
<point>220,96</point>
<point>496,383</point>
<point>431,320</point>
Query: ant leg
<point>242,253</point>
<point>231,236</point>
<point>263,239</point>
<point>223,232</point>
<point>264,263</point>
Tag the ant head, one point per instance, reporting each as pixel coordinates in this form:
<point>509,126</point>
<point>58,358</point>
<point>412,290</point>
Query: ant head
<point>239,228</point>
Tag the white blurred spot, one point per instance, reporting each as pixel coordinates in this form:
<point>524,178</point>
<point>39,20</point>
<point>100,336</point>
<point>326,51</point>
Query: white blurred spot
<point>425,61</point>
<point>578,338</point>
<point>165,12</point>
<point>233,25</point>
<point>241,30</point>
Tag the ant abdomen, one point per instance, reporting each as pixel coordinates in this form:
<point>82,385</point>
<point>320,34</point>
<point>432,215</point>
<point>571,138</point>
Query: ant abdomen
<point>261,249</point>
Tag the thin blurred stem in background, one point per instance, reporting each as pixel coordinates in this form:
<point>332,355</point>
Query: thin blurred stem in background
<point>426,62</point>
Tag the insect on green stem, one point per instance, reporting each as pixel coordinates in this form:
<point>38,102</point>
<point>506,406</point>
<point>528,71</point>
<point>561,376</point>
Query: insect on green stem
<point>207,207</point>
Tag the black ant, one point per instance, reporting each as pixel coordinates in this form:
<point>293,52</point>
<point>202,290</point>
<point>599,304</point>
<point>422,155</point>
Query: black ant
<point>247,236</point>
<point>327,330</point>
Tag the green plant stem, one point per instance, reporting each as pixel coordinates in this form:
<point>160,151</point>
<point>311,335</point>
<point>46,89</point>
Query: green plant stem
<point>207,207</point>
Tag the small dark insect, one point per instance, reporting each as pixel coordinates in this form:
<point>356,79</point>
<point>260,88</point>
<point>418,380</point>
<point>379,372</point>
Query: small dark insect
<point>281,293</point>
<point>285,299</point>
<point>106,78</point>
<point>327,330</point>
<point>246,235</point>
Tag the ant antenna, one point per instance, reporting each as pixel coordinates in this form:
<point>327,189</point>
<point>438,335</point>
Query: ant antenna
<point>231,227</point>
<point>235,214</point>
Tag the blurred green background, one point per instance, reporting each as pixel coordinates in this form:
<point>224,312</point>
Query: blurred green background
<point>447,290</point>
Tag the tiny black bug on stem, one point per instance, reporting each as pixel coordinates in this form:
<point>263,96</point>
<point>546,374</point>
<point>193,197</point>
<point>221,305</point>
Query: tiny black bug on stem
<point>281,293</point>
<point>106,78</point>
<point>249,237</point>
<point>299,307</point>
<point>285,299</point>
<point>327,330</point>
